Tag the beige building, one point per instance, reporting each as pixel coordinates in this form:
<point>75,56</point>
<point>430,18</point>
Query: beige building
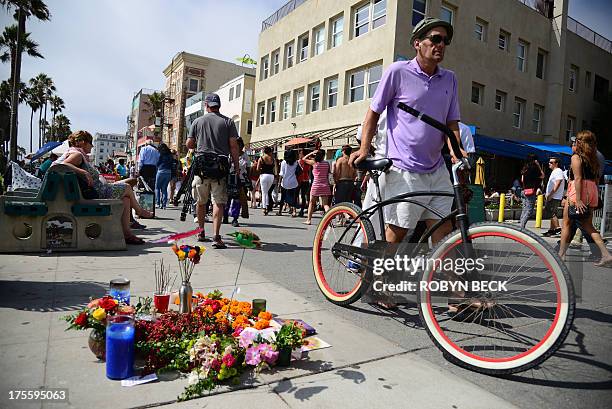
<point>139,118</point>
<point>521,75</point>
<point>237,102</point>
<point>186,75</point>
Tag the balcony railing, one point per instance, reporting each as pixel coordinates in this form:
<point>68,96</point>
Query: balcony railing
<point>280,13</point>
<point>194,98</point>
<point>588,34</point>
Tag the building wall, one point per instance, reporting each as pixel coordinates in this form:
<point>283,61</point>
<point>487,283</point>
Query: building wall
<point>239,108</point>
<point>210,74</point>
<point>373,47</point>
<point>140,116</point>
<point>104,146</point>
<point>475,62</point>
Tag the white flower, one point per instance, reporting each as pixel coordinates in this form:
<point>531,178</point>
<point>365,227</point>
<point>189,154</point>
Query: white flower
<point>194,377</point>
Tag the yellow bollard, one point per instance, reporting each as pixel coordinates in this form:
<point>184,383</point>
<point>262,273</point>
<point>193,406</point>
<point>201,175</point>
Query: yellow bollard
<point>502,205</point>
<point>539,211</point>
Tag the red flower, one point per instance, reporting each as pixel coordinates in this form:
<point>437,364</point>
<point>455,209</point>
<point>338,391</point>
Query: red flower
<point>216,364</point>
<point>81,319</point>
<point>229,360</point>
<point>108,303</point>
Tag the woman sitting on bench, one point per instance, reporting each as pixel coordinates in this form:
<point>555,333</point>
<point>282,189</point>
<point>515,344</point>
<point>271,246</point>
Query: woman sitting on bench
<point>92,187</point>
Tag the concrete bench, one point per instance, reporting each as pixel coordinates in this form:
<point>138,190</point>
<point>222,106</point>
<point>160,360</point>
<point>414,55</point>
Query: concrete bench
<point>57,218</point>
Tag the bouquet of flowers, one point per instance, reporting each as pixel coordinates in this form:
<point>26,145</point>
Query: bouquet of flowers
<point>94,315</point>
<point>188,257</point>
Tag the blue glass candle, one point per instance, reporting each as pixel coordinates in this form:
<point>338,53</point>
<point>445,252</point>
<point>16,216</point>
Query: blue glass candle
<point>120,347</point>
<point>120,290</point>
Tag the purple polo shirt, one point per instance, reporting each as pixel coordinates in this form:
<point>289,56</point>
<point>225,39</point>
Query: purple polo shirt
<point>412,144</point>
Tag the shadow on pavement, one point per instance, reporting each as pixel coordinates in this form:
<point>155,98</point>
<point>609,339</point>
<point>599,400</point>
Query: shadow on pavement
<point>48,296</point>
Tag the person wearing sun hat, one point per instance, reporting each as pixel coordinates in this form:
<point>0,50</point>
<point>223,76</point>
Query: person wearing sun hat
<point>414,146</point>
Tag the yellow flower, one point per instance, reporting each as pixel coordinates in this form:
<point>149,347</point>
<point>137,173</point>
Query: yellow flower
<point>181,255</point>
<point>99,314</point>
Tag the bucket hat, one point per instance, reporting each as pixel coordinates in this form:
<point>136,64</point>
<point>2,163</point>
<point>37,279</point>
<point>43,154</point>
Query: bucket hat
<point>427,24</point>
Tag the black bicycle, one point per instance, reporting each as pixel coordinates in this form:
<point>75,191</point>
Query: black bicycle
<point>492,331</point>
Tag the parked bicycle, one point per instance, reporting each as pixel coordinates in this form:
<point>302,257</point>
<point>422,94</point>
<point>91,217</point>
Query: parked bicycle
<point>492,332</point>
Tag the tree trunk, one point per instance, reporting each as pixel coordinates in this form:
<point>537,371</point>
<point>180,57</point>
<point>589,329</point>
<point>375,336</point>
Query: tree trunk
<point>44,127</point>
<point>40,127</point>
<point>31,136</point>
<point>16,82</point>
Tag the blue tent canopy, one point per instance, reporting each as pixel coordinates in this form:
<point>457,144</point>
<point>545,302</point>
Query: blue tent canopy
<point>520,149</point>
<point>49,146</point>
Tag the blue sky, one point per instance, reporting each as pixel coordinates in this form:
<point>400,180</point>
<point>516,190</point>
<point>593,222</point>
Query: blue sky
<point>100,52</point>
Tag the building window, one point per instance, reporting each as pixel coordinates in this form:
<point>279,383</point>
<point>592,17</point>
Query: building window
<point>271,110</point>
<point>500,101</point>
<point>503,40</point>
<point>521,56</point>
<point>289,55</point>
<point>285,106</point>
<point>238,91</point>
<point>275,62</point>
<point>477,93</point>
<point>319,40</point>
<point>571,123</point>
<point>261,113</point>
<point>536,124</point>
<point>587,79</point>
<point>418,11</point>
<point>231,93</point>
<point>265,67</point>
<point>362,17</point>
<point>299,102</point>
<point>541,64</point>
<point>374,75</point>
<point>337,29</point>
<point>356,86</point>
<point>519,110</point>
<point>303,42</point>
<point>249,127</point>
<point>480,30</point>
<point>600,89</point>
<point>446,13</point>
<point>315,94</point>
<point>379,13</point>
<point>332,92</point>
<point>193,85</point>
<point>573,78</point>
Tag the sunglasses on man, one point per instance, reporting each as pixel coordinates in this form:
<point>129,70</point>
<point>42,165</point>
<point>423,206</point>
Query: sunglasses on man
<point>437,39</point>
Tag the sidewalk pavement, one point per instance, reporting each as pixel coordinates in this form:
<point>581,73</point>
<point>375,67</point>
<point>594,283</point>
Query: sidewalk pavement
<point>361,369</point>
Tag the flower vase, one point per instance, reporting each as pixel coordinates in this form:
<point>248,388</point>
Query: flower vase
<point>185,294</point>
<point>284,357</point>
<point>97,344</point>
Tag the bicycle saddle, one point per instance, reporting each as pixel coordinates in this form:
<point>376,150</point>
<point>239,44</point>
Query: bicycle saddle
<point>375,164</point>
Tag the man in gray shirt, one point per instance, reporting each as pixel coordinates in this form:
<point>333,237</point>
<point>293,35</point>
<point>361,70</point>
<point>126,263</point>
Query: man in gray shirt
<point>215,134</point>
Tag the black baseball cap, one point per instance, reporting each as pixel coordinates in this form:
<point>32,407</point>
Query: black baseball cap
<point>212,100</point>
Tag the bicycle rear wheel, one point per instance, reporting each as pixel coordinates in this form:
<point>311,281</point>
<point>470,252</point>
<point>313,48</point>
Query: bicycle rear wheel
<point>498,332</point>
<point>338,278</point>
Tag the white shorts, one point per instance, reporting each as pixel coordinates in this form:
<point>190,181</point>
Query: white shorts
<point>407,215</point>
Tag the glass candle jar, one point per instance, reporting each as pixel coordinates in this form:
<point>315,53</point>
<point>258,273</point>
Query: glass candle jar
<point>120,346</point>
<point>120,290</point>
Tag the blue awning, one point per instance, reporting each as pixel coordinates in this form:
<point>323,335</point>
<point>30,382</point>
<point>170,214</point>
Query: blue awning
<point>550,147</point>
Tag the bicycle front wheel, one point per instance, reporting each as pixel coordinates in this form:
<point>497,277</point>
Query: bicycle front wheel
<point>497,330</point>
<point>339,278</point>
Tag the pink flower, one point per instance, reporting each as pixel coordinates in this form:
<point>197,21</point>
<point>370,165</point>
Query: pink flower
<point>237,332</point>
<point>252,356</point>
<point>229,360</point>
<point>246,338</point>
<point>269,354</point>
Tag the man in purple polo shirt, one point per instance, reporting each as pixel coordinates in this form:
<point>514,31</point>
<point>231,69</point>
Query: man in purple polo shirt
<point>414,146</point>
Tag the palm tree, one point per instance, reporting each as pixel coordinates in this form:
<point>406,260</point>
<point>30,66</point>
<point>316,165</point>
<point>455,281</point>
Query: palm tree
<point>8,46</point>
<point>44,87</point>
<point>57,106</point>
<point>34,103</point>
<point>49,90</point>
<point>155,106</point>
<point>24,8</point>
<point>60,129</point>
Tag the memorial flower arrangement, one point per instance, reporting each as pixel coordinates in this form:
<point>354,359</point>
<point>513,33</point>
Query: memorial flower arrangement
<point>188,257</point>
<point>94,315</point>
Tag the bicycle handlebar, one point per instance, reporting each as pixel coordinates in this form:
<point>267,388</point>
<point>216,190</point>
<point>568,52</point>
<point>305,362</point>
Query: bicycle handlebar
<point>436,124</point>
